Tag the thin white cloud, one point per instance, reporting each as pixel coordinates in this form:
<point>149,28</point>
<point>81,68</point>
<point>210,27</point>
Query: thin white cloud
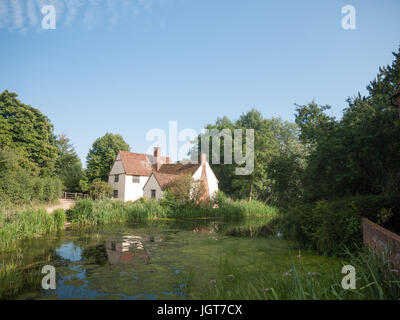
<point>32,12</point>
<point>73,7</point>
<point>18,16</point>
<point>23,15</point>
<point>4,14</point>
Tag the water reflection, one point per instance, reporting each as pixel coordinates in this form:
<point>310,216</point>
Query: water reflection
<point>151,259</point>
<point>206,229</point>
<point>131,247</point>
<point>69,251</point>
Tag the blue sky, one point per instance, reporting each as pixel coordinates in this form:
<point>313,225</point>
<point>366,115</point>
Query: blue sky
<point>130,66</point>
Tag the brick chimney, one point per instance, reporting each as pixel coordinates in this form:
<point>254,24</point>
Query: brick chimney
<point>203,158</point>
<point>157,155</point>
<point>203,179</point>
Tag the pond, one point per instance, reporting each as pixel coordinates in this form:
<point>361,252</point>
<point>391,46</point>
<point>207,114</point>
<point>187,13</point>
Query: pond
<point>161,259</point>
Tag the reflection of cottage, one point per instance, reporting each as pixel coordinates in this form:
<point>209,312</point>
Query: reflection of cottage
<point>130,248</point>
<point>212,229</point>
<point>136,175</point>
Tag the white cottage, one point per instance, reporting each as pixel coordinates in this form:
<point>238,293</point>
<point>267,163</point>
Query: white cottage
<point>135,175</point>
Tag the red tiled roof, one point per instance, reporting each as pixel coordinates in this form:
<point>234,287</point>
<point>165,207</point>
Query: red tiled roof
<point>179,168</point>
<point>137,164</point>
<point>164,179</point>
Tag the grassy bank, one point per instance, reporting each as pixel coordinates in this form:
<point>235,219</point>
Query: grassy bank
<point>88,212</point>
<point>18,225</point>
<point>376,279</point>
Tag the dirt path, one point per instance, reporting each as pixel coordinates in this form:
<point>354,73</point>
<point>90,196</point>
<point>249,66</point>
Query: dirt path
<point>64,204</point>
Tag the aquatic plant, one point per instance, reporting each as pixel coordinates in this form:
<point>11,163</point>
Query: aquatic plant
<point>89,212</point>
<point>18,225</point>
<point>374,281</point>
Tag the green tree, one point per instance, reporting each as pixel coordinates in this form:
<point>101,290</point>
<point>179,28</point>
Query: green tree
<point>358,154</point>
<point>287,168</point>
<point>268,138</point>
<point>68,165</point>
<point>102,155</point>
<point>27,131</point>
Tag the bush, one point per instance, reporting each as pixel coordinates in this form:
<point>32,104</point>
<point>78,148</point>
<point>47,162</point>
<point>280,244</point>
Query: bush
<point>186,190</point>
<point>100,190</point>
<point>219,199</point>
<point>327,226</point>
<point>21,187</point>
<point>330,226</point>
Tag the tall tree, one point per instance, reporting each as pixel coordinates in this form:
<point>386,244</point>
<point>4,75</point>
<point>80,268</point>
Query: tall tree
<point>28,132</point>
<point>102,155</point>
<point>269,136</point>
<point>68,165</point>
<point>358,154</point>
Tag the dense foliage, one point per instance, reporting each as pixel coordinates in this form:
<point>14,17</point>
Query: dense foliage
<point>324,173</point>
<point>278,158</point>
<point>28,132</point>
<point>102,156</point>
<point>35,165</point>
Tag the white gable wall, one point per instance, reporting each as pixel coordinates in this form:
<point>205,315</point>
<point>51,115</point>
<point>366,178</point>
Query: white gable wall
<point>212,180</point>
<point>134,191</point>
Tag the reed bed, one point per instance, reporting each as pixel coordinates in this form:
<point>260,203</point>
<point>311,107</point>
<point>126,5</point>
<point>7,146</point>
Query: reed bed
<point>19,225</point>
<point>376,279</point>
<point>88,212</point>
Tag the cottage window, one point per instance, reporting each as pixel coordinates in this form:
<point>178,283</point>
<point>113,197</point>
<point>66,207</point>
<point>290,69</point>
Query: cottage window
<point>135,179</point>
<point>116,178</point>
<point>153,194</point>
<point>116,194</point>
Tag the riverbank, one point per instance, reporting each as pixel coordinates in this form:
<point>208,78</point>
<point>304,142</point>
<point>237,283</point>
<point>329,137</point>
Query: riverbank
<point>19,224</point>
<point>89,212</point>
<point>24,224</point>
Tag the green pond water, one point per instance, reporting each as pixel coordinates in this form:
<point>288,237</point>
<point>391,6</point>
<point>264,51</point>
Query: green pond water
<point>163,259</point>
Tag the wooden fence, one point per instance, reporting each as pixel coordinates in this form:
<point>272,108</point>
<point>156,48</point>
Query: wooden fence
<point>74,196</point>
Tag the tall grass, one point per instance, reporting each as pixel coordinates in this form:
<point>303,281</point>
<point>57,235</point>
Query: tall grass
<point>88,212</point>
<point>376,279</point>
<point>18,225</point>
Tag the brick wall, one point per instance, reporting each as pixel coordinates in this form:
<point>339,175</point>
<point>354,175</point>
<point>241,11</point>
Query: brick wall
<point>379,239</point>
